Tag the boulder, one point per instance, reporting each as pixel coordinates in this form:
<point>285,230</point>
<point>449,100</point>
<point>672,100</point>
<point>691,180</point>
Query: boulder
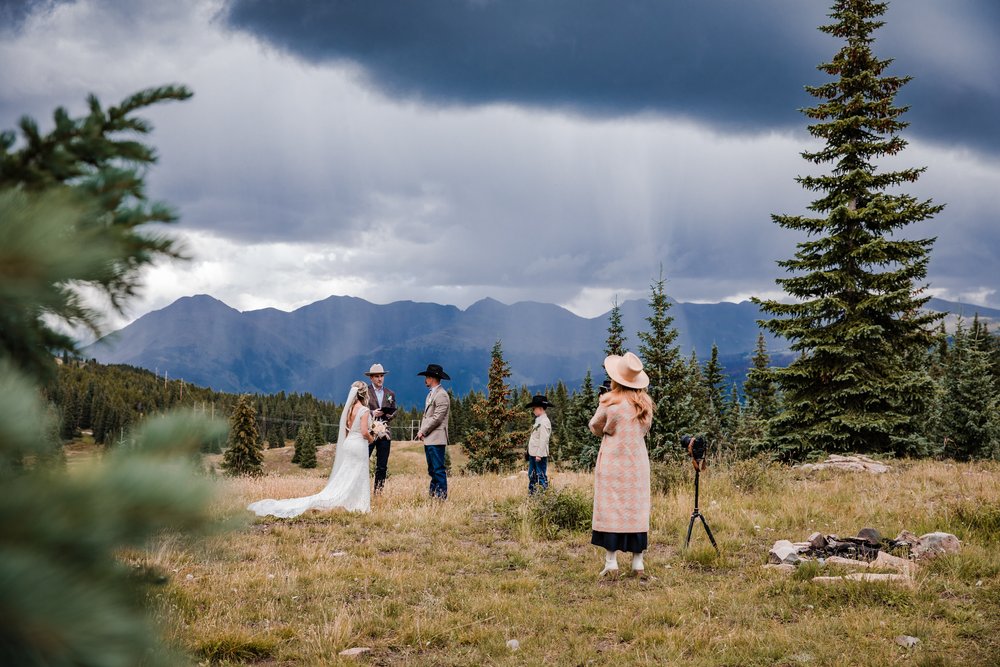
<point>871,536</point>
<point>355,652</point>
<point>889,562</point>
<point>784,551</point>
<point>906,641</point>
<point>817,541</point>
<point>869,577</point>
<point>783,568</point>
<point>906,537</point>
<point>847,562</point>
<point>932,545</point>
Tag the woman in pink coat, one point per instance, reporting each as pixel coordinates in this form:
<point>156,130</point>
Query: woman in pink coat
<point>621,476</point>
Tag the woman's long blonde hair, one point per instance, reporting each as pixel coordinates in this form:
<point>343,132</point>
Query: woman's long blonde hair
<point>639,398</point>
<point>362,399</point>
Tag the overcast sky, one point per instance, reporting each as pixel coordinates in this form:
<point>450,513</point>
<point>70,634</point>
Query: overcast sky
<point>561,151</point>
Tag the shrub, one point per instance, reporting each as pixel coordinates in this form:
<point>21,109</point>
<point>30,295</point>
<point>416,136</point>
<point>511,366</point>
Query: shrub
<point>752,474</point>
<point>667,477</point>
<point>557,510</point>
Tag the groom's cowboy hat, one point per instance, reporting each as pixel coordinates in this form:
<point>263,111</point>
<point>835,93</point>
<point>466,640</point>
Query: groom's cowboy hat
<point>435,371</point>
<point>539,401</point>
<point>376,369</point>
<point>626,370</point>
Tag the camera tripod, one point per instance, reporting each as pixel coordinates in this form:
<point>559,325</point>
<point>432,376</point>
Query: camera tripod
<point>696,514</point>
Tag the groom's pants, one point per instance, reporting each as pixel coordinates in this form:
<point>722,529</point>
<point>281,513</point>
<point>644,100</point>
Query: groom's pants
<point>381,449</point>
<point>437,471</point>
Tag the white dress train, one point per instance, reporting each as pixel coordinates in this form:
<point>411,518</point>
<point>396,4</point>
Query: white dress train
<point>348,486</point>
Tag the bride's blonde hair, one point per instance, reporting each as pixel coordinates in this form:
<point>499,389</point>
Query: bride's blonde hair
<point>362,388</point>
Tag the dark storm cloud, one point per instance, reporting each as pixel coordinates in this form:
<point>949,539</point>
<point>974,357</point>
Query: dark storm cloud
<point>13,13</point>
<point>735,64</point>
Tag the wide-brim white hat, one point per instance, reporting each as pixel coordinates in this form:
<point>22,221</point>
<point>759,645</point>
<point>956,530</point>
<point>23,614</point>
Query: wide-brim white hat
<point>376,369</point>
<point>626,370</point>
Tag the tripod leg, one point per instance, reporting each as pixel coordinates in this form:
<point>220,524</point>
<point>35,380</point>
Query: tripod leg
<point>687,542</point>
<point>708,530</point>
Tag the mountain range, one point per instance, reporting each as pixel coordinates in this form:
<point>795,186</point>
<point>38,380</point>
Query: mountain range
<point>324,346</point>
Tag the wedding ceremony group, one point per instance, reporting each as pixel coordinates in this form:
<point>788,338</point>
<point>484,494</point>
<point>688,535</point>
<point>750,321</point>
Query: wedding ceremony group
<point>621,507</point>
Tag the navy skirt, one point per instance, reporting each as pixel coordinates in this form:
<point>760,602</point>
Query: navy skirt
<point>631,542</point>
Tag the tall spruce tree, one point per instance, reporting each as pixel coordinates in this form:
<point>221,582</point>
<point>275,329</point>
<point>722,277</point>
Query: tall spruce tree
<point>715,379</point>
<point>495,447</point>
<point>857,286</point>
<point>582,445</point>
<point>68,598</point>
<point>759,387</point>
<point>967,418</point>
<point>615,343</point>
<point>244,455</point>
<point>672,413</point>
<point>92,169</point>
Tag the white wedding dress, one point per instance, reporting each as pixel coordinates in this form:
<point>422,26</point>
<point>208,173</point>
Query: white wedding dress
<point>348,486</point>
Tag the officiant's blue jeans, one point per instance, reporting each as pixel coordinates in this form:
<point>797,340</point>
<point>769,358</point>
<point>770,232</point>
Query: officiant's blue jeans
<point>435,468</point>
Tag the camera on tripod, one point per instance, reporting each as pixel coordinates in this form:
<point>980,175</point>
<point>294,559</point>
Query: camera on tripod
<point>695,445</point>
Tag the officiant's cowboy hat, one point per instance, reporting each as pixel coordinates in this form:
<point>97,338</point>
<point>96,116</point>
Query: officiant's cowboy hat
<point>626,370</point>
<point>435,371</point>
<point>539,401</point>
<point>376,369</point>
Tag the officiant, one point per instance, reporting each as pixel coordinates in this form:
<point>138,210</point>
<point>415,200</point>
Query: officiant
<point>382,403</point>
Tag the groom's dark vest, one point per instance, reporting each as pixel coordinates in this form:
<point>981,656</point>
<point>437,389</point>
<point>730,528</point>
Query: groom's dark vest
<point>388,401</point>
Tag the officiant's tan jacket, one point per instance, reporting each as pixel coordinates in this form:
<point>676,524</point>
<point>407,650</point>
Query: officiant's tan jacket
<point>434,425</point>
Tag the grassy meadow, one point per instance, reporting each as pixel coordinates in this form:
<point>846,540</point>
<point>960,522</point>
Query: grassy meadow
<point>429,583</point>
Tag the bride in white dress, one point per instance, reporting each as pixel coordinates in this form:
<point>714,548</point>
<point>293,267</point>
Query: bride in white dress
<point>348,486</point>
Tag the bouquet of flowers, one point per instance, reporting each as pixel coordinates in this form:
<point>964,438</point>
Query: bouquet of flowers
<point>379,429</point>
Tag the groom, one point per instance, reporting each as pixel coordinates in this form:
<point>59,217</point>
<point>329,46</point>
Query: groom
<point>434,429</point>
<point>382,403</point>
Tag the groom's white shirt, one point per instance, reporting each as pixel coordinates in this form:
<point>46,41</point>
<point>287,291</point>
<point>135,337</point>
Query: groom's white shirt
<point>380,395</point>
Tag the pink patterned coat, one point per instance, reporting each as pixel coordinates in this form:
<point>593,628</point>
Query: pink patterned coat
<point>621,476</point>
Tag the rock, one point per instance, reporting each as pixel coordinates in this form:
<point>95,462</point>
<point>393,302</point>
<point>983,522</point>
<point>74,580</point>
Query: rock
<point>355,652</point>
<point>935,544</point>
<point>513,644</point>
<point>870,536</point>
<point>857,463</point>
<point>783,568</point>
<point>817,541</point>
<point>906,641</point>
<point>866,577</point>
<point>338,554</point>
<point>783,551</point>
<point>906,537</point>
<point>890,562</point>
<point>873,577</point>
<point>847,562</point>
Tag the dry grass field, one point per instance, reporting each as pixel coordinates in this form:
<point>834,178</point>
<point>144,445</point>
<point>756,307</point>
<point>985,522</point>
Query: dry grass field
<point>449,583</point>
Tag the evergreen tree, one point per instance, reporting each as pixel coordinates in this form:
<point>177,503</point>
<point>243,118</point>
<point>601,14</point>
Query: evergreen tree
<point>731,417</point>
<point>705,417</point>
<point>615,343</point>
<point>310,439</point>
<point>759,387</point>
<point>495,447</point>
<point>581,445</point>
<point>715,379</point>
<point>244,454</point>
<point>303,440</point>
<point>857,295</point>
<point>969,401</point>
<point>68,599</point>
<point>672,412</point>
<point>83,179</point>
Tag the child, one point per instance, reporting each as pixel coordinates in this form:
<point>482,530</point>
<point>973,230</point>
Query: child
<point>538,444</point>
